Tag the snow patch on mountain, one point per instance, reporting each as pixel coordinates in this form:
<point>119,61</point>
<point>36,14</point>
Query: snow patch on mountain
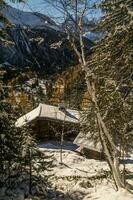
<point>27,19</point>
<point>36,20</point>
<point>94,36</point>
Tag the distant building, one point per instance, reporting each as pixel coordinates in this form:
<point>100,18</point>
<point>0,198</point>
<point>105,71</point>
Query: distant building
<point>49,121</point>
<point>88,146</point>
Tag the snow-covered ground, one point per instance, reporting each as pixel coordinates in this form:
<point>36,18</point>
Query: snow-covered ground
<point>83,179</point>
<point>55,145</point>
<point>94,36</point>
<point>78,178</point>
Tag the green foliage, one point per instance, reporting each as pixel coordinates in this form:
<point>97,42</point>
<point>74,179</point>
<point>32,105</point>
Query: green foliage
<point>119,11</point>
<point>111,61</point>
<point>9,146</point>
<point>20,160</point>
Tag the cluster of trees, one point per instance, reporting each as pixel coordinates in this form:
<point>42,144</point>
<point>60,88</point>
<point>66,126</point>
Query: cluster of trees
<point>108,75</point>
<point>20,160</point>
<point>109,79</point>
<point>19,157</point>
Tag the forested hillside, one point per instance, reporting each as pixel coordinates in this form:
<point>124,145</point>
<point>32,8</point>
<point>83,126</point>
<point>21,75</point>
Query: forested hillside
<point>66,100</point>
<point>33,55</point>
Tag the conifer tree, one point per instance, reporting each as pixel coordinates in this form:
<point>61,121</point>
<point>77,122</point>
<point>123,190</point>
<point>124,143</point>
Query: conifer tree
<point>110,72</point>
<point>19,155</point>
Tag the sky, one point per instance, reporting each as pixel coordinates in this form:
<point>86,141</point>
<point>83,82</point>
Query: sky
<point>42,7</point>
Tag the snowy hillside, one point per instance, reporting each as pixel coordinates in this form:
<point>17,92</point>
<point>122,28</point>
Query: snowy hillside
<point>27,19</point>
<point>94,36</point>
<point>40,21</point>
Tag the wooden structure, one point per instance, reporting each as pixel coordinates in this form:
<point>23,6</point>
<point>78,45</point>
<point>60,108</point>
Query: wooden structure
<point>50,121</point>
<point>89,147</point>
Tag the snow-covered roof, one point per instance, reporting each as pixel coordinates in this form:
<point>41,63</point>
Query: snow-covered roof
<point>88,142</point>
<point>48,112</point>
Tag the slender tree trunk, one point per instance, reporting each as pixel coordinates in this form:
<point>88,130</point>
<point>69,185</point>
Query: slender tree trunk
<point>9,173</point>
<point>110,149</point>
<point>106,139</point>
<point>62,139</point>
<point>30,172</point>
<point>61,147</point>
<point>104,134</point>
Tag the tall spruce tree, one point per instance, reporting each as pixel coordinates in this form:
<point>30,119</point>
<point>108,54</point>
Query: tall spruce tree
<point>110,72</point>
<point>17,147</point>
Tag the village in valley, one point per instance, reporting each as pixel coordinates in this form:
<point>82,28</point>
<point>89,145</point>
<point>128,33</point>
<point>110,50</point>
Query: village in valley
<point>66,100</point>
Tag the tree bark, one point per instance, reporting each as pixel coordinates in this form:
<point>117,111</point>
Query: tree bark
<point>110,149</point>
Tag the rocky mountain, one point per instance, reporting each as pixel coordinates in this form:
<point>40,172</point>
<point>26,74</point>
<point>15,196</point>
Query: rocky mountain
<point>38,59</point>
<point>36,42</point>
<point>39,49</point>
<point>27,19</point>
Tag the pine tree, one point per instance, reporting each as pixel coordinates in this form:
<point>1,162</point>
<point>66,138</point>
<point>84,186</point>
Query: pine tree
<point>32,160</point>
<point>111,62</point>
<point>15,145</point>
<point>110,72</point>
<point>9,146</point>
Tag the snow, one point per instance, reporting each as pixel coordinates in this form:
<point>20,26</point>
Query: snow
<point>27,118</point>
<point>104,192</point>
<point>55,145</point>
<point>79,176</point>
<point>94,36</point>
<point>27,19</point>
<point>74,163</point>
<point>49,112</point>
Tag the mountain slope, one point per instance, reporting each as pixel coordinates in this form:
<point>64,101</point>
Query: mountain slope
<point>39,53</point>
<point>36,42</point>
<point>27,19</point>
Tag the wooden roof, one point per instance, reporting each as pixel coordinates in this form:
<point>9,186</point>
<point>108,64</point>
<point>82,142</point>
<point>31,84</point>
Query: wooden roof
<point>48,112</point>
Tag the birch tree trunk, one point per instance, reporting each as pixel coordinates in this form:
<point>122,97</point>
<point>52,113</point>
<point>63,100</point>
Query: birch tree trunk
<point>109,147</point>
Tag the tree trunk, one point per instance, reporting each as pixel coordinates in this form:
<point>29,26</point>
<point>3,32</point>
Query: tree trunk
<point>106,140</point>
<point>110,149</point>
<point>30,172</point>
<point>62,139</point>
